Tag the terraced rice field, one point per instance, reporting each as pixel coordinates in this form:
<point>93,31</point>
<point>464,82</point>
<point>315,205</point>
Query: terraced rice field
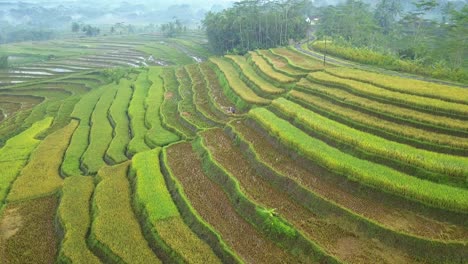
<point>150,150</point>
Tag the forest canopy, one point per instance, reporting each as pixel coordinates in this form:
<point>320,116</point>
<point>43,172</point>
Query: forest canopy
<point>432,34</point>
<point>255,24</point>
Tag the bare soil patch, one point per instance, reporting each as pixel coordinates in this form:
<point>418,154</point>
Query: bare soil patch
<point>213,205</point>
<point>320,182</point>
<point>28,232</point>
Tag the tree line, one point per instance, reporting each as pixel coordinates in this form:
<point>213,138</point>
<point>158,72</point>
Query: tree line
<point>431,32</point>
<point>256,24</point>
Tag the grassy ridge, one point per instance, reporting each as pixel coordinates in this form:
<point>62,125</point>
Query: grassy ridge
<point>169,107</point>
<point>367,56</point>
<point>101,133</point>
<point>425,103</point>
<point>172,166</point>
<point>272,225</point>
<point>186,107</point>
<point>115,230</point>
<point>281,64</point>
<point>40,177</point>
<point>157,135</point>
<point>268,70</point>
<point>252,76</point>
<point>298,60</point>
<point>14,155</point>
<point>229,96</point>
<point>162,217</point>
<point>137,111</point>
<point>83,110</point>
<point>217,98</point>
<point>200,95</point>
<point>121,124</point>
<point>75,219</point>
<point>404,85</point>
<point>365,172</point>
<point>236,84</point>
<point>12,126</point>
<point>448,166</point>
<point>344,113</point>
<point>290,175</point>
<point>167,53</point>
<point>386,109</point>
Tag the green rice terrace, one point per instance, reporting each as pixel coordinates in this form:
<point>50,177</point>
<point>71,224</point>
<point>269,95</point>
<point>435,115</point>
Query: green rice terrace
<point>145,149</point>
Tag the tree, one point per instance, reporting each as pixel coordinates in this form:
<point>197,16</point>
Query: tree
<point>4,62</point>
<point>457,40</point>
<point>254,24</point>
<point>352,21</point>
<point>75,27</point>
<point>173,28</point>
<point>425,5</point>
<point>386,13</point>
<point>91,31</point>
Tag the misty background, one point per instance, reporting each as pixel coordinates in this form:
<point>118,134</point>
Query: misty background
<point>50,14</point>
<point>47,19</point>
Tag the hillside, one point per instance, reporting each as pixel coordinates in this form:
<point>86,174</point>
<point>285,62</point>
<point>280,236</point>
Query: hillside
<point>144,149</point>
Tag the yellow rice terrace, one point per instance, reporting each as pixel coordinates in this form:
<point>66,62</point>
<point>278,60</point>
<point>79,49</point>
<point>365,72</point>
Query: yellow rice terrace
<point>147,149</point>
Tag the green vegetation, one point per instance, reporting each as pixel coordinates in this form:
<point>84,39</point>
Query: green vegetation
<point>367,56</point>
<point>200,95</point>
<point>166,53</point>
<point>175,166</point>
<point>154,201</point>
<point>226,170</point>
<point>452,167</point>
<point>298,60</point>
<point>83,110</point>
<point>411,100</point>
<point>100,135</point>
<point>75,220</point>
<point>268,70</point>
<point>121,149</point>
<point>230,98</point>
<point>187,108</point>
<point>4,62</point>
<point>421,37</point>
<point>169,107</point>
<point>236,84</point>
<point>399,84</point>
<point>15,154</point>
<point>137,111</point>
<point>280,64</point>
<point>256,25</point>
<point>40,177</point>
<point>386,108</point>
<point>291,176</point>
<point>342,113</point>
<point>218,101</point>
<point>253,77</point>
<point>120,121</point>
<point>377,176</point>
<point>115,231</point>
<point>157,135</point>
